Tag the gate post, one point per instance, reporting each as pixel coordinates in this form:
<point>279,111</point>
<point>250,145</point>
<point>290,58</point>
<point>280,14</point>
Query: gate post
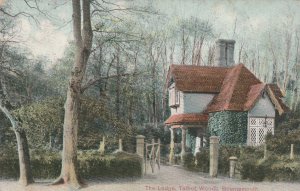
<point>213,156</point>
<point>140,142</point>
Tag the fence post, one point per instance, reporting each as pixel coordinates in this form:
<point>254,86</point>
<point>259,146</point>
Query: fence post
<point>152,155</point>
<point>102,146</point>
<point>120,145</point>
<point>292,156</point>
<point>232,163</point>
<point>158,154</point>
<point>265,151</point>
<point>213,156</point>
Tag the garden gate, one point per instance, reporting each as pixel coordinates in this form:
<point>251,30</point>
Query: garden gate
<point>152,155</point>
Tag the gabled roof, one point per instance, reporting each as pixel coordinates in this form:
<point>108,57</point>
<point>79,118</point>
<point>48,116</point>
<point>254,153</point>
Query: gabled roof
<point>236,88</point>
<point>275,96</point>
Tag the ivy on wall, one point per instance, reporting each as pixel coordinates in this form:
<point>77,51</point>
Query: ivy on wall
<point>230,126</point>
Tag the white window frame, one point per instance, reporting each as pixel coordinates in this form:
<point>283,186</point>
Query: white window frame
<point>174,97</point>
<point>258,128</point>
<point>177,97</point>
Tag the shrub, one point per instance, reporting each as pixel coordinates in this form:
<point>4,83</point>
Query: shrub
<point>252,170</point>
<point>281,169</point>
<point>202,158</point>
<point>225,152</point>
<point>280,143</point>
<point>90,163</point>
<point>189,160</point>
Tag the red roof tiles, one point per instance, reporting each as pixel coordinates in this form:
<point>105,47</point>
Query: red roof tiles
<point>234,91</point>
<point>190,78</point>
<point>237,88</point>
<point>187,118</point>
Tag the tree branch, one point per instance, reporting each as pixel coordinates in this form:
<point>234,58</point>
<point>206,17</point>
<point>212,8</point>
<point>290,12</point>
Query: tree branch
<point>19,14</point>
<point>92,82</point>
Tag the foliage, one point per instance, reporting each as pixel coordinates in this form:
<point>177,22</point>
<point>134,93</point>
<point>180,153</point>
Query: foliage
<point>230,126</point>
<point>282,169</point>
<point>225,152</point>
<point>274,168</point>
<point>43,122</point>
<point>189,160</point>
<point>286,133</point>
<point>252,170</point>
<point>90,163</point>
<point>202,160</point>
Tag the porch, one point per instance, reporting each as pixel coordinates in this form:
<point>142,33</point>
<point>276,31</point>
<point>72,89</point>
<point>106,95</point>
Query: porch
<point>187,134</point>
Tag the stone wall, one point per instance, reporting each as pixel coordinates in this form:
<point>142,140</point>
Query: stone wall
<point>230,126</point>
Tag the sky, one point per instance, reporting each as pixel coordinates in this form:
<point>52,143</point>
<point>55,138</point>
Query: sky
<point>51,35</point>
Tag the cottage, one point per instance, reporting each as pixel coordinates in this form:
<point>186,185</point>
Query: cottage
<point>227,100</point>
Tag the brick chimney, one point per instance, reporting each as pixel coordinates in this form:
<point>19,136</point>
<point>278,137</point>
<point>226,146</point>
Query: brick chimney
<point>224,55</point>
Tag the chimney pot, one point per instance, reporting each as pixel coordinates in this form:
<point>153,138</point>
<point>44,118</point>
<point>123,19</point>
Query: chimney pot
<point>224,55</point>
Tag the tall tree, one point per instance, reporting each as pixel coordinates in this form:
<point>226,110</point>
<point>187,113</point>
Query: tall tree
<point>10,97</point>
<point>83,42</point>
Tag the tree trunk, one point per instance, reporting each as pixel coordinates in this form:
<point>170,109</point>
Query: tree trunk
<point>118,82</point>
<point>23,150</point>
<point>24,158</point>
<point>69,173</point>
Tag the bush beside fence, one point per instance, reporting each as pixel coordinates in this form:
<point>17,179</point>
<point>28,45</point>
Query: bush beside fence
<point>90,163</point>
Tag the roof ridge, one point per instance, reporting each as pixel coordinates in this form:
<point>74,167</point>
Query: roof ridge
<point>190,65</point>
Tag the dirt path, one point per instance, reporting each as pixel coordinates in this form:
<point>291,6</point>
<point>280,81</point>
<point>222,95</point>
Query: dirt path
<point>167,179</point>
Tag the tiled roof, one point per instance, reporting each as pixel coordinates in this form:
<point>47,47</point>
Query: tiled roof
<point>236,88</point>
<point>187,118</point>
<point>190,78</point>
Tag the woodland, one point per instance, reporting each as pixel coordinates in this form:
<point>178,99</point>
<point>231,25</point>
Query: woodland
<point>110,80</point>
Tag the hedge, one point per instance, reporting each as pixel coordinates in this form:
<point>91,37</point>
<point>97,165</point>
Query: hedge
<point>90,165</point>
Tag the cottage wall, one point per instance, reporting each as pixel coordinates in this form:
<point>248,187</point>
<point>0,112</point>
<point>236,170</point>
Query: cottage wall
<point>192,103</point>
<point>195,102</point>
<point>263,108</point>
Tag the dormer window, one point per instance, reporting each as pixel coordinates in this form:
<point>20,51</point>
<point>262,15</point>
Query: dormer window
<point>174,97</point>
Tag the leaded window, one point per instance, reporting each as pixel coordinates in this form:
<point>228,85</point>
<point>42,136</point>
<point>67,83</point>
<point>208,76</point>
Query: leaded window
<point>259,127</point>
